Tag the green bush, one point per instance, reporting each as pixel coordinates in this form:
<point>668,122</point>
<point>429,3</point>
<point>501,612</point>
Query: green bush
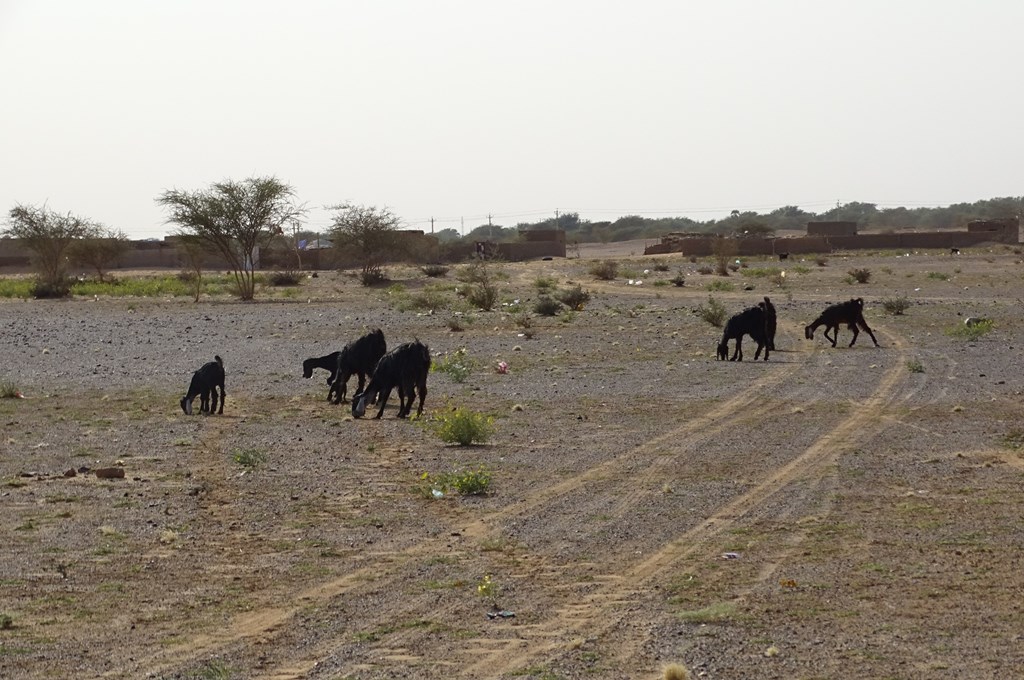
<point>284,278</point>
<point>723,286</point>
<point>458,365</point>
<point>461,426</point>
<point>434,271</point>
<point>250,459</point>
<point>471,482</point>
<point>8,390</point>
<point>972,331</point>
<point>895,306</point>
<point>604,270</point>
<point>546,306</point>
<point>714,313</point>
<point>860,275</point>
<point>575,298</point>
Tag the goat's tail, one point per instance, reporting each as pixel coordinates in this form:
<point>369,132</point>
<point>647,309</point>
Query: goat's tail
<point>216,357</point>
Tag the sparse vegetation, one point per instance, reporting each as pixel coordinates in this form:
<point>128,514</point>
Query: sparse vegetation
<point>939,276</point>
<point>434,271</point>
<point>722,286</point>
<point>250,459</point>
<point>915,366</point>
<point>460,425</point>
<point>546,306</point>
<point>714,312</point>
<point>860,275</point>
<point>574,298</point>
<point>9,390</point>
<point>896,305</point>
<point>972,331</point>
<point>284,278</point>
<point>457,365</point>
<point>604,270</point>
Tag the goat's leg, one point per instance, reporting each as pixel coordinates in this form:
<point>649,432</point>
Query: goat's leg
<point>213,400</point>
<point>835,335</point>
<point>223,398</point>
<point>423,397</point>
<point>383,399</point>
<point>853,327</point>
<point>864,325</point>
<point>738,354</point>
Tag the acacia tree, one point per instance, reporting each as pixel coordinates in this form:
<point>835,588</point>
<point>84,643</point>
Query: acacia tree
<point>235,219</point>
<point>370,231</point>
<point>49,236</point>
<point>100,250</point>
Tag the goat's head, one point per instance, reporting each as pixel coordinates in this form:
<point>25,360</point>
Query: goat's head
<point>186,405</point>
<point>359,403</point>
<point>809,332</point>
<point>307,368</point>
<point>723,351</point>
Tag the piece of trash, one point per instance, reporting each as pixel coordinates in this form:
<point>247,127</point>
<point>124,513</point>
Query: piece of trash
<point>771,651</point>
<point>731,555</point>
<point>503,614</point>
<point>109,473</point>
<point>974,320</point>
<point>502,367</point>
<point>788,583</point>
<point>437,493</point>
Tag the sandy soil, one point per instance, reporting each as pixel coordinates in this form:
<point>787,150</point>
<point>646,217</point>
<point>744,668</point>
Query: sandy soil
<point>830,513</point>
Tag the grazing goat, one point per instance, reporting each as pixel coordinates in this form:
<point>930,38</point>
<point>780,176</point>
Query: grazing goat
<point>328,363</point>
<point>204,385</point>
<point>783,256</point>
<point>758,322</point>
<point>851,313</point>
<point>404,368</point>
<point>359,358</point>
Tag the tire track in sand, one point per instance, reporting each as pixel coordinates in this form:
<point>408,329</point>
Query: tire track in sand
<point>593,616</point>
<point>266,622</point>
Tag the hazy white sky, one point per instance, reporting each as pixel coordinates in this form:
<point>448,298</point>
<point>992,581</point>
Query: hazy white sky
<point>517,109</point>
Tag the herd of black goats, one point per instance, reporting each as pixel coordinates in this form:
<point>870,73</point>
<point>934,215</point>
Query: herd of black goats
<point>405,367</point>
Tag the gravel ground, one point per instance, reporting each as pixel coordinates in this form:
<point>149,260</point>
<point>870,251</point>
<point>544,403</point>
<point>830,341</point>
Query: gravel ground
<point>828,513</point>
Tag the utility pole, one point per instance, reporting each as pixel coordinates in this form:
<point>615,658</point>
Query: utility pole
<point>431,225</point>
<point>490,229</point>
<point>463,221</point>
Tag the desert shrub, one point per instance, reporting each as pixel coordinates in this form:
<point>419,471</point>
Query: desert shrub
<point>714,313</point>
<point>457,365</point>
<point>42,290</point>
<point>733,267</point>
<point>545,284</point>
<point>6,622</point>
<point>895,306</point>
<point>461,426</point>
<point>724,249</point>
<point>523,320</point>
<point>938,275</point>
<point>821,261</point>
<point>604,270</point>
<point>455,324</point>
<point>860,275</point>
<point>546,306</point>
<point>915,366</point>
<point>762,272</point>
<point>482,296</point>
<point>660,266</point>
<point>429,298</point>
<point>250,459</point>
<point>972,331</point>
<point>8,390</point>
<point>16,288</point>
<point>434,271</point>
<point>284,278</point>
<point>802,269</point>
<point>724,286</point>
<point>373,276</point>
<point>574,298</point>
<point>705,269</point>
<point>678,280</point>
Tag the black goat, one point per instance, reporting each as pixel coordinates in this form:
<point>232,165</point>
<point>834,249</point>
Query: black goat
<point>359,358</point>
<point>404,368</point>
<point>758,322</point>
<point>328,363</point>
<point>851,313</point>
<point>783,256</point>
<point>204,385</point>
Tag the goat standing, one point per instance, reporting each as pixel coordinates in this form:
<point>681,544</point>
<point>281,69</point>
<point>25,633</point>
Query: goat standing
<point>204,385</point>
<point>850,312</point>
<point>359,358</point>
<point>328,362</point>
<point>758,322</point>
<point>405,368</point>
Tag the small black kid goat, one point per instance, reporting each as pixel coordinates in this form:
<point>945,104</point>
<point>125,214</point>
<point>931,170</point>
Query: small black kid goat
<point>204,385</point>
<point>851,313</point>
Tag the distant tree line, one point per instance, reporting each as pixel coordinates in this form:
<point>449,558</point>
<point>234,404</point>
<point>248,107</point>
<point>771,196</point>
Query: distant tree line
<point>749,223</point>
